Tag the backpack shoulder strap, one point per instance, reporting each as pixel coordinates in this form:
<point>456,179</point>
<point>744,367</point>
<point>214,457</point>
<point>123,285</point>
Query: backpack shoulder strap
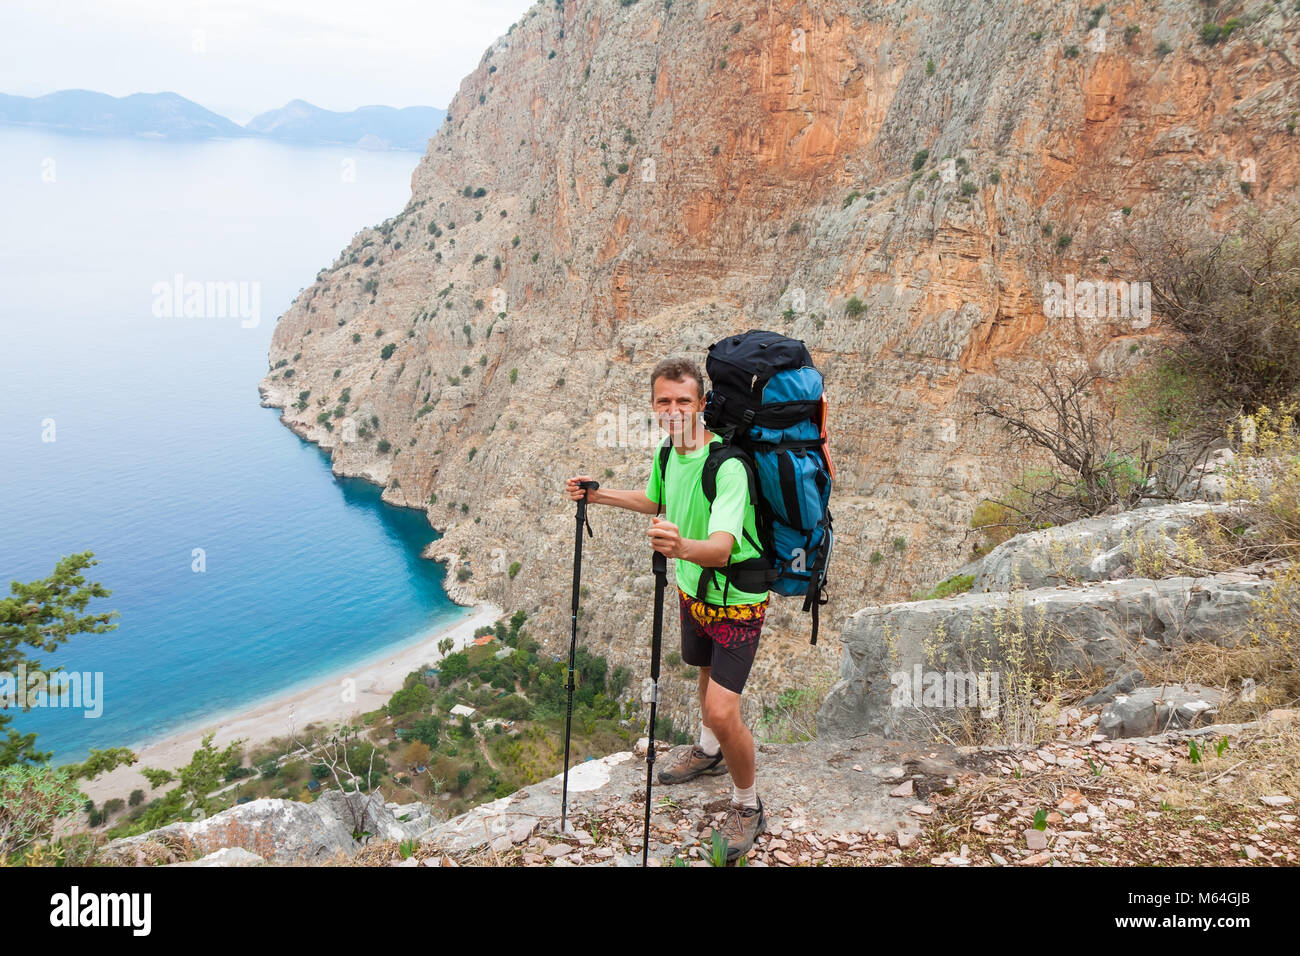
<point>754,573</point>
<point>665,450</point>
<point>720,453</point>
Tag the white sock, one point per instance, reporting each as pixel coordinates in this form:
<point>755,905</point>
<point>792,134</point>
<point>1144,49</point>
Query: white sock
<point>709,743</point>
<point>746,797</point>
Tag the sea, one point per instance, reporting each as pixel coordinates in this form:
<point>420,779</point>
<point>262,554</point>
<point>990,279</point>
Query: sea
<point>239,566</point>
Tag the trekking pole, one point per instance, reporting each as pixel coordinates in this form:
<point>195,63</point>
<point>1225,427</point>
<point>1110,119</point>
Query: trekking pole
<point>586,486</point>
<point>660,566</point>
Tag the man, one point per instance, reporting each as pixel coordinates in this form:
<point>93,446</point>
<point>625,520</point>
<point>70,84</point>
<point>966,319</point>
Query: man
<point>719,634</point>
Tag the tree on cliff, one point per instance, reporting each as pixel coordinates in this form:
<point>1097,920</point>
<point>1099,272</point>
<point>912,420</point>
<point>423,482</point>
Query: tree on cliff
<point>42,614</point>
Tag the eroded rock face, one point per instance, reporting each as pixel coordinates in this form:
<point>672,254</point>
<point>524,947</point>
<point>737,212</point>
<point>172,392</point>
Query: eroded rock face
<point>1093,549</point>
<point>891,653</point>
<point>674,175</point>
<point>909,667</point>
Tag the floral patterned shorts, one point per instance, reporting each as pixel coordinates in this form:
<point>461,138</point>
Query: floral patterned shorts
<point>723,638</point>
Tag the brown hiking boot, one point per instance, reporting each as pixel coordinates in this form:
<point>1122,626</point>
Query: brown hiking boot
<point>690,763</point>
<point>741,828</point>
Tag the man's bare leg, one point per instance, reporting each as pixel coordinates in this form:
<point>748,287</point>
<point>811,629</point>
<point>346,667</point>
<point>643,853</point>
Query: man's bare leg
<point>721,709</point>
<point>704,690</point>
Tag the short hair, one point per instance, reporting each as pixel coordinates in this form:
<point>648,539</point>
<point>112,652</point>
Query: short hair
<point>675,369</point>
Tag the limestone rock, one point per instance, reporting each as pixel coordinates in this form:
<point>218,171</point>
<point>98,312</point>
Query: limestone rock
<point>1150,710</point>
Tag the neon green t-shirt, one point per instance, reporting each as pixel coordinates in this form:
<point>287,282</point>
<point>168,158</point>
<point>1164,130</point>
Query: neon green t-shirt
<point>686,507</point>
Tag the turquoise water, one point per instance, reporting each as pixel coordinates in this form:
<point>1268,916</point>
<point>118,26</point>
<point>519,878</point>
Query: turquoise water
<point>159,444</point>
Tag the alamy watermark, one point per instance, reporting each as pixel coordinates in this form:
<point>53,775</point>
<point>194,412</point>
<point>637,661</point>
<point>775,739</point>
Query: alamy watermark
<point>178,298</point>
<point>946,689</point>
<point>626,428</point>
<point>1098,299</point>
<point>36,688</point>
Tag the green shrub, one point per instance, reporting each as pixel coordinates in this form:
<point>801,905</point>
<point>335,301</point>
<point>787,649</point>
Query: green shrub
<point>408,700</point>
<point>957,584</point>
<point>453,667</point>
<point>32,799</point>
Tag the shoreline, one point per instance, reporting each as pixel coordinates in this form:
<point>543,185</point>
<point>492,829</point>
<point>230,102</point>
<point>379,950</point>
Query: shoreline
<point>376,677</point>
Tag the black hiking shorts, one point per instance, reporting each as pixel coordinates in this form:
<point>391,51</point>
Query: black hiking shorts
<point>723,638</point>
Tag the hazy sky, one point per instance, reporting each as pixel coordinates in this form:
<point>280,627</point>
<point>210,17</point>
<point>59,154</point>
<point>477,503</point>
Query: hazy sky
<point>242,57</point>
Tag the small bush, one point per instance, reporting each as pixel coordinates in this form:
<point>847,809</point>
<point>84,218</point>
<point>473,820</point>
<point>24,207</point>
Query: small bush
<point>957,584</point>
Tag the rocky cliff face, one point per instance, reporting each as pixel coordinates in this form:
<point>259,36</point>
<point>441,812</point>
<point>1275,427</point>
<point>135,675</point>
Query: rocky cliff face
<point>617,183</point>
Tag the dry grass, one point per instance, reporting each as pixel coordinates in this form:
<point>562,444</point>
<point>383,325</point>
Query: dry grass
<point>1263,761</point>
<point>791,716</point>
<point>1261,533</point>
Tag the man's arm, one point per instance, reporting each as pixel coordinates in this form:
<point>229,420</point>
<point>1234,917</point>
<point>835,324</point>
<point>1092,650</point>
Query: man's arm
<point>712,553</point>
<point>631,500</point>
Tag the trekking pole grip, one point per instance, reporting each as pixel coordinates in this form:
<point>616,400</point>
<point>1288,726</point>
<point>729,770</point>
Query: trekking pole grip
<point>587,487</point>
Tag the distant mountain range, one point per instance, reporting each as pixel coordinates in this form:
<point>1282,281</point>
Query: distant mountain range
<point>170,116</point>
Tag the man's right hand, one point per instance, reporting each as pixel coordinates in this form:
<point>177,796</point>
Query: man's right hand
<point>573,491</point>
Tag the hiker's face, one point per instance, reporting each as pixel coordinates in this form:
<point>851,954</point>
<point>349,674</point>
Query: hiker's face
<point>678,406</point>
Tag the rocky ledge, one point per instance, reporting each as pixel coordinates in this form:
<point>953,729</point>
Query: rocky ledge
<point>1080,798</point>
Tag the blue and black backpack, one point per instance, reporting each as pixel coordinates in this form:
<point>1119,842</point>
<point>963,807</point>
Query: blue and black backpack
<point>768,406</point>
